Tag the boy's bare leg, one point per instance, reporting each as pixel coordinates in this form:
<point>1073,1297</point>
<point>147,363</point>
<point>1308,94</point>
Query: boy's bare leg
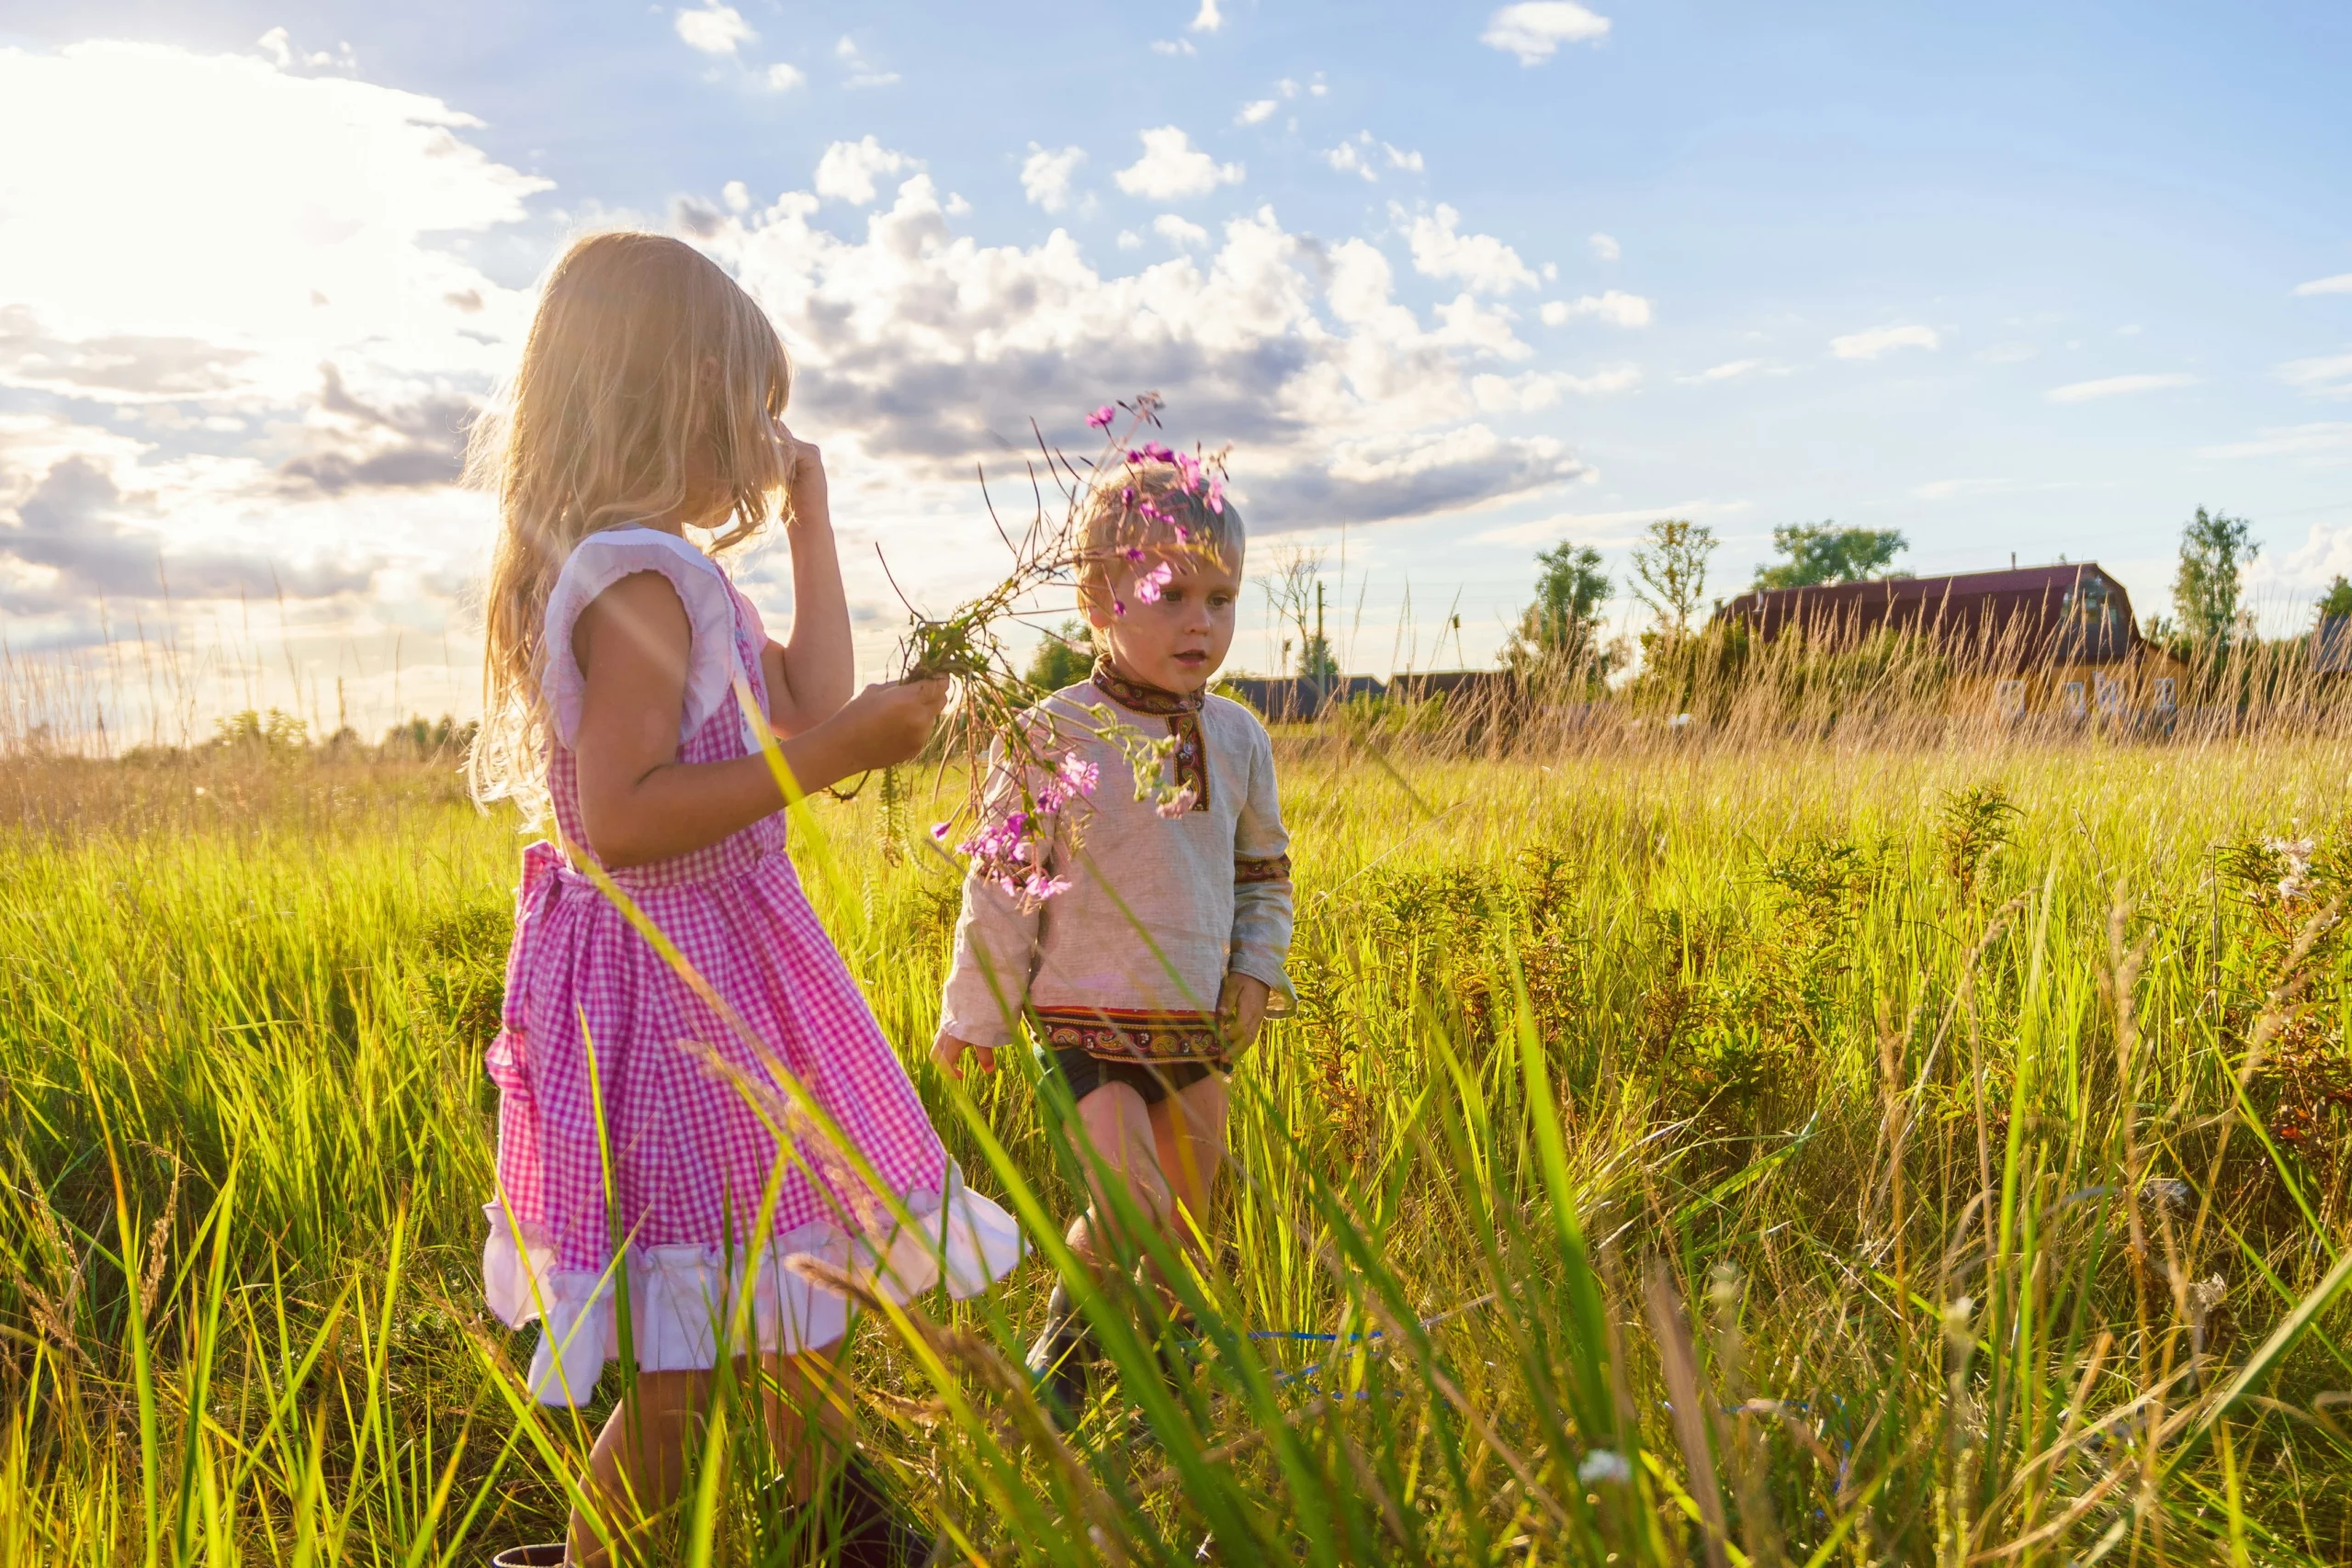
<point>1119,1132</point>
<point>635,1470</point>
<point>1188,1134</point>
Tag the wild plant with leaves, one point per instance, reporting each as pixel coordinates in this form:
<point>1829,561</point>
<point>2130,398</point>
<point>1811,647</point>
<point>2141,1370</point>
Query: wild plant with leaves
<point>1026,785</point>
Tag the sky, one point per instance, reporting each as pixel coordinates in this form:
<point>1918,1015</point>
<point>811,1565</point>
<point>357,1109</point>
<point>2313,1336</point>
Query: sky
<point>1456,283</point>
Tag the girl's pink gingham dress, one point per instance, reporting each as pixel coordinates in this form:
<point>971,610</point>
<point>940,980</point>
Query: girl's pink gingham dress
<point>691,1107</point>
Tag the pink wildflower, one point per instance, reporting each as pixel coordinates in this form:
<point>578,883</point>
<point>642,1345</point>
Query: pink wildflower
<point>939,831</point>
<point>1188,469</point>
<point>1177,804</point>
<point>1148,585</point>
<point>1080,774</point>
<point>1134,553</point>
<point>1216,496</point>
<point>1100,418</point>
<point>1041,888</point>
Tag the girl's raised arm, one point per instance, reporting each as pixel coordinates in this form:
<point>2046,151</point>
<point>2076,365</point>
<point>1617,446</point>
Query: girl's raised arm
<point>810,676</point>
<point>638,802</point>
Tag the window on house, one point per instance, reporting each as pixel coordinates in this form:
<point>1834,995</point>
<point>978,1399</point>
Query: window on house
<point>2109,690</point>
<point>2009,698</point>
<point>2164,694</point>
<point>2074,695</point>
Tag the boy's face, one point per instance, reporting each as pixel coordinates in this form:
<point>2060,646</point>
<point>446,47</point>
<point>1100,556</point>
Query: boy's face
<point>1180,639</point>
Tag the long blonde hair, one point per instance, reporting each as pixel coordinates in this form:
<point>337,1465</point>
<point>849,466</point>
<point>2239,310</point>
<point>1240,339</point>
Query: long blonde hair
<point>641,349</point>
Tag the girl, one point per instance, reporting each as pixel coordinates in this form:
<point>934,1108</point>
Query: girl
<point>647,402</point>
<point>1152,972</point>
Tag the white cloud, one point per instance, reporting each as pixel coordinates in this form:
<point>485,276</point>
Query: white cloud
<point>1349,159</point>
<point>1045,176</point>
<point>784,78</point>
<point>1882,340</point>
<point>737,196</point>
<point>715,29</point>
<point>1365,157</point>
<point>1178,232</point>
<point>2325,376</point>
<point>1129,239</point>
<point>862,73</point>
<point>848,169</point>
<point>1482,261</point>
<point>1172,168</point>
<point>1605,247</point>
<point>1535,28</point>
<point>1400,159</point>
<point>1536,389</point>
<point>1173,46</point>
<point>2295,441</point>
<point>1729,370</point>
<point>1614,306</point>
<point>2340,284</point>
<point>1209,18</point>
<point>2118,385</point>
<point>2007,354</point>
<point>1255,113</point>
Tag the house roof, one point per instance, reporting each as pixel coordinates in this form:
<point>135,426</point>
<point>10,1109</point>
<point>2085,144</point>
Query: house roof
<point>2074,613</point>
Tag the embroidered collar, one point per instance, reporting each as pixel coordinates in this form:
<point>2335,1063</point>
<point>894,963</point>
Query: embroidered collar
<point>1135,695</point>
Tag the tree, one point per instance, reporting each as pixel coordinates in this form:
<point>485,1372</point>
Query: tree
<point>2214,551</point>
<point>1823,553</point>
<point>2337,600</point>
<point>1670,573</point>
<point>1063,658</point>
<point>1557,632</point>
<point>1295,597</point>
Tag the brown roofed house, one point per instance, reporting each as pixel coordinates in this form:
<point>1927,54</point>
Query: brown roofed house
<point>2054,640</point>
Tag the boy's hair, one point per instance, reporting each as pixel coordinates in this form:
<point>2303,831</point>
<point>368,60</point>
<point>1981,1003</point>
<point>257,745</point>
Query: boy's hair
<point>1149,507</point>
<point>642,348</point>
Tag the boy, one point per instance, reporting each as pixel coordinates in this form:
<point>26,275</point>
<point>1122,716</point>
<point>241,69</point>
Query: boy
<point>1147,977</point>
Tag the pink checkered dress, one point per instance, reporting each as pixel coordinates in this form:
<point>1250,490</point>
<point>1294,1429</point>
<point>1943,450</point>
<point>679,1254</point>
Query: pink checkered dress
<point>691,1108</point>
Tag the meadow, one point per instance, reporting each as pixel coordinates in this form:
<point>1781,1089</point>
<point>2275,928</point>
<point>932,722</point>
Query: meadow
<point>1923,1146</point>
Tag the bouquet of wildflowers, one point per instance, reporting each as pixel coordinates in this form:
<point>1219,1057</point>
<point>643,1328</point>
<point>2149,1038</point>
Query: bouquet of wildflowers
<point>1025,786</point>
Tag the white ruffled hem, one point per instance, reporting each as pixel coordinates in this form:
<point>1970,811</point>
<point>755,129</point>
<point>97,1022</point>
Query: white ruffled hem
<point>680,1296</point>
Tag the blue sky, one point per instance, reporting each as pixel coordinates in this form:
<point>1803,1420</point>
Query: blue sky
<point>1466,279</point>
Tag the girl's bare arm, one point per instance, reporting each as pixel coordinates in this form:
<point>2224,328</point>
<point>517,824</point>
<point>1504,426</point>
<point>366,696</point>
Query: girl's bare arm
<point>811,674</point>
<point>638,802</point>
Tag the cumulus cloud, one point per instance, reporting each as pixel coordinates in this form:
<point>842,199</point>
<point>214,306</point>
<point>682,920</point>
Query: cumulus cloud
<point>784,78</point>
<point>848,170</point>
<point>375,443</point>
<point>1178,232</point>
<point>1729,370</point>
<point>2325,376</point>
<point>1172,168</point>
<point>1256,111</point>
<point>1045,176</point>
<point>2118,386</point>
<point>1605,247</point>
<point>1535,29</point>
<point>1208,19</point>
<point>2339,284</point>
<point>714,29</point>
<point>1365,157</point>
<point>921,351</point>
<point>861,72</point>
<point>1883,340</point>
<point>1483,264</point>
<point>1613,306</point>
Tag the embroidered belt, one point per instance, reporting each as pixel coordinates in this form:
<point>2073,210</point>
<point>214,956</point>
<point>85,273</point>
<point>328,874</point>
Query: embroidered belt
<point>1131,1034</point>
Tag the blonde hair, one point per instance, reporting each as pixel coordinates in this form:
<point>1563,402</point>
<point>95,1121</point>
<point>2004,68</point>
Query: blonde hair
<point>642,348</point>
<point>1149,506</point>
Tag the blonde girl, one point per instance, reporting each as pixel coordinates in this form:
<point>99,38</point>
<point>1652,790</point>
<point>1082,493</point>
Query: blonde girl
<point>647,413</point>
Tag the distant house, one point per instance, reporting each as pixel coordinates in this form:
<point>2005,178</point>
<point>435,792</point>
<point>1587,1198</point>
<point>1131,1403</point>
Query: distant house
<point>2057,640</point>
<point>2332,646</point>
<point>1293,699</point>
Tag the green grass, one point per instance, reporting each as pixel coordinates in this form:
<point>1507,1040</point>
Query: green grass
<point>1792,1078</point>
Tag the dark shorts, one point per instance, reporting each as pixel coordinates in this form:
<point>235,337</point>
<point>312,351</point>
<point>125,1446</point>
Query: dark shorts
<point>1084,1074</point>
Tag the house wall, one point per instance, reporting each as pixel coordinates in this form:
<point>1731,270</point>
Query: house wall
<point>2148,683</point>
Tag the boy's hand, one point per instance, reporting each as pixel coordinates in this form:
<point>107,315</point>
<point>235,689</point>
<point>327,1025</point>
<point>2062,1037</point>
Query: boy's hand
<point>1241,1010</point>
<point>948,1051</point>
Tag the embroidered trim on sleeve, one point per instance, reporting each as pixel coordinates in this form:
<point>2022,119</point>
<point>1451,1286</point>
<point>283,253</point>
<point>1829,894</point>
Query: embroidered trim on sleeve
<point>1249,871</point>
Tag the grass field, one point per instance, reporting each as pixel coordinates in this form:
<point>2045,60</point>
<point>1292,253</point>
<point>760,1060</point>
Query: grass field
<point>1756,1152</point>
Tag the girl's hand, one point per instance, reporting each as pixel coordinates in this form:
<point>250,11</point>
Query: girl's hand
<point>1241,1010</point>
<point>804,477</point>
<point>887,723</point>
<point>948,1051</point>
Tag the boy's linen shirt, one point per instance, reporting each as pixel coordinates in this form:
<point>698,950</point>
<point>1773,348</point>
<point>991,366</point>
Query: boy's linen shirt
<point>1082,950</point>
